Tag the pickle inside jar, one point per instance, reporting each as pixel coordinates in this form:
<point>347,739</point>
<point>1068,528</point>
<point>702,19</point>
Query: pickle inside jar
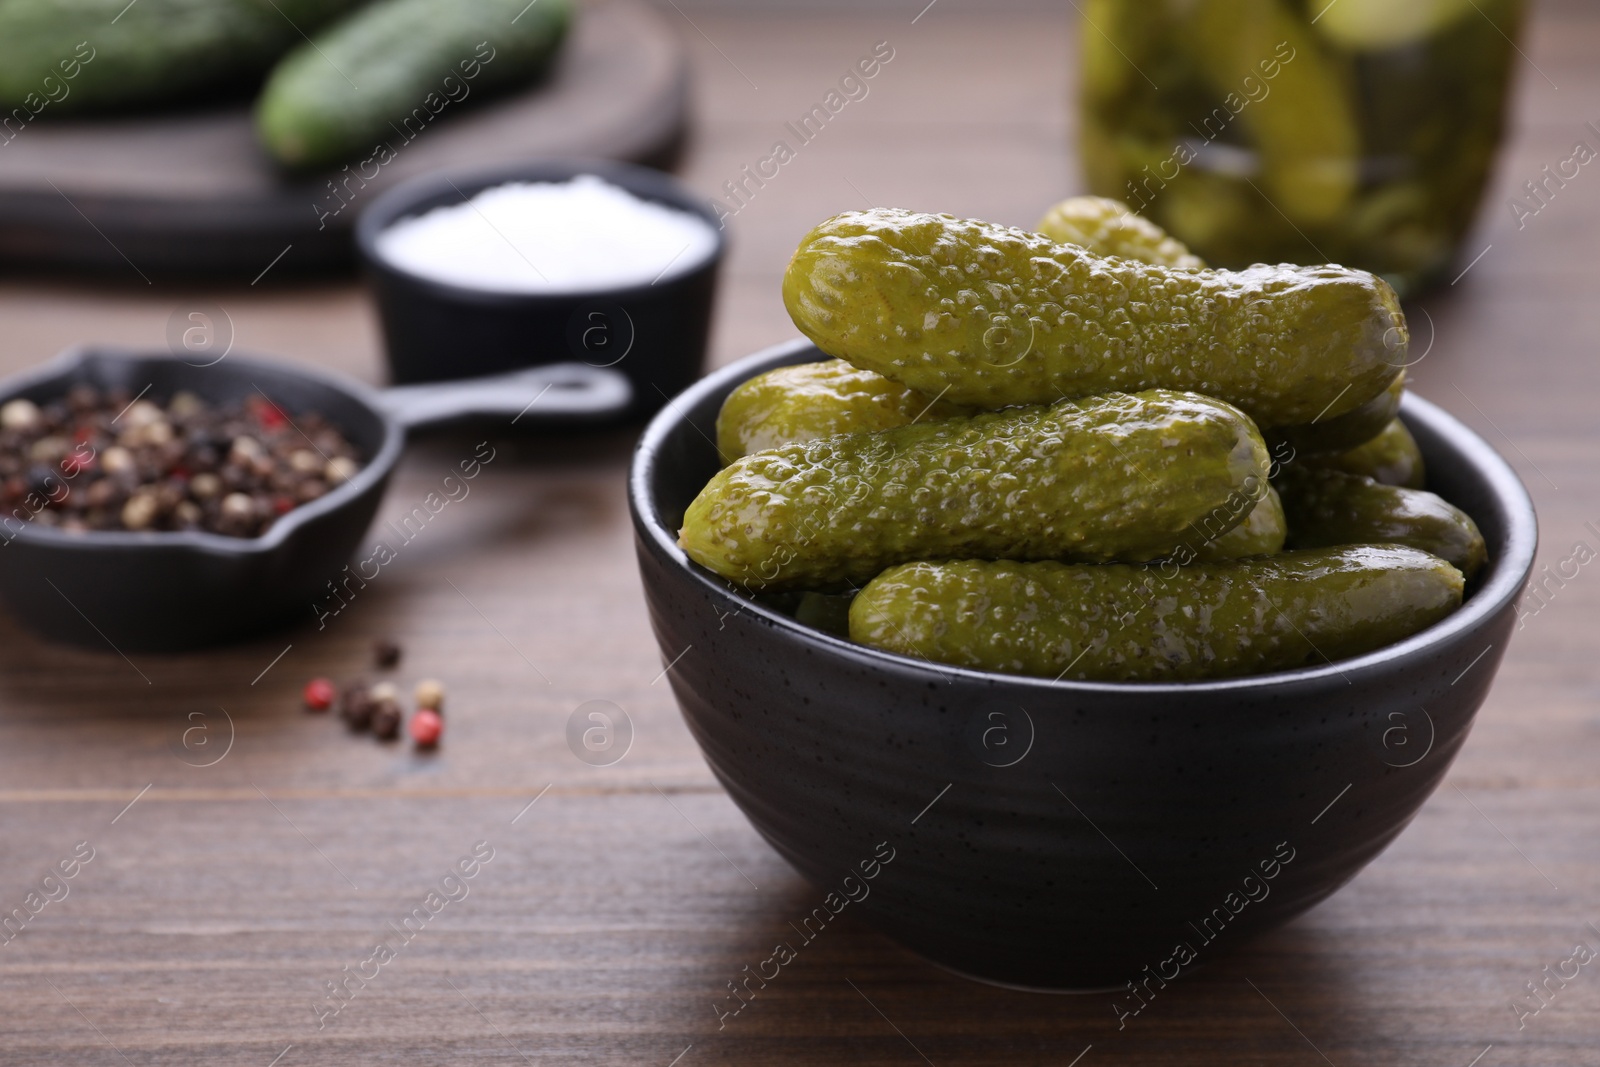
<point>1275,138</point>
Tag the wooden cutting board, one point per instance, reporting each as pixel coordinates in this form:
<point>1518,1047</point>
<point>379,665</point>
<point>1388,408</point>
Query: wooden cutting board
<point>190,193</point>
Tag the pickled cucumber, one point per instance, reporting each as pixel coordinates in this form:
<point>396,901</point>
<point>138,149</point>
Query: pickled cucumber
<point>1110,228</point>
<point>812,400</point>
<point>1262,533</point>
<point>1378,25</point>
<point>1344,432</point>
<point>1412,94</point>
<point>1304,132</point>
<point>1130,623</point>
<point>1392,458</point>
<point>1092,479</point>
<point>1328,507</point>
<point>984,315</point>
<point>817,399</point>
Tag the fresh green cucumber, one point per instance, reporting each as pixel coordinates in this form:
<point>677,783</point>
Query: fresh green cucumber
<point>375,80</point>
<point>100,55</point>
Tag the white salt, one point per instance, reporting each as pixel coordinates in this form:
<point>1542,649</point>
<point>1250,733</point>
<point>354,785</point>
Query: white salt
<point>550,237</point>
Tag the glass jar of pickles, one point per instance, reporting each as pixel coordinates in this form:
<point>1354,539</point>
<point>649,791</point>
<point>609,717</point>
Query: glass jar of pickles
<point>1352,131</point>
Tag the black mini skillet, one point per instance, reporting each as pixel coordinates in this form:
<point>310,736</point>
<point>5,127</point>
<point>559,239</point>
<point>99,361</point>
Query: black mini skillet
<point>172,591</point>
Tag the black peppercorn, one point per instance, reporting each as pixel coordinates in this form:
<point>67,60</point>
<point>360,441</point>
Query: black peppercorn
<point>43,480</point>
<point>386,720</point>
<point>356,706</point>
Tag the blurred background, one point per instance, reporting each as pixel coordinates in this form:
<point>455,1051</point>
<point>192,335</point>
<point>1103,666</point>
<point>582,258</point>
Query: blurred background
<point>1405,136</point>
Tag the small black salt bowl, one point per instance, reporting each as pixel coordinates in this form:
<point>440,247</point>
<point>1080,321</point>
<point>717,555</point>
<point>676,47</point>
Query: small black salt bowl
<point>654,334</point>
<point>1066,835</point>
<point>171,591</point>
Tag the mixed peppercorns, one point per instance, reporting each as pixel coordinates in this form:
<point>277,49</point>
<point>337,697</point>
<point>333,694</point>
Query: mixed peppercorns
<point>96,460</point>
<point>376,708</point>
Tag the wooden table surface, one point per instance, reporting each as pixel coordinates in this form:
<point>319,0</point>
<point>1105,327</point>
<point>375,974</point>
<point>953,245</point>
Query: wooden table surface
<point>221,899</point>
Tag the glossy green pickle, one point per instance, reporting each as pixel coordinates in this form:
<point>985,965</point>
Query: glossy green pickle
<point>811,400</point>
<point>989,316</point>
<point>799,403</point>
<point>1349,430</point>
<point>1263,532</point>
<point>1328,507</point>
<point>1109,228</point>
<point>1392,458</point>
<point>1155,623</point>
<point>1093,479</point>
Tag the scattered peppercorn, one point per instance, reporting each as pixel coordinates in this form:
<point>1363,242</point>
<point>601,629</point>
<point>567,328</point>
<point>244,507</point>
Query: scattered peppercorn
<point>430,694</point>
<point>319,694</point>
<point>377,708</point>
<point>340,469</point>
<point>95,460</point>
<point>386,652</point>
<point>19,414</point>
<point>356,706</point>
<point>386,720</point>
<point>426,726</point>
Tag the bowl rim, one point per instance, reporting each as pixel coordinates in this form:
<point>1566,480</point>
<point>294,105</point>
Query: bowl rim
<point>65,367</point>
<point>1507,574</point>
<point>646,183</point>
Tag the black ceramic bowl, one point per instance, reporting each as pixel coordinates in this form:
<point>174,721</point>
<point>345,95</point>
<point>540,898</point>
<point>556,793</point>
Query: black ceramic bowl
<point>654,334</point>
<point>1067,835</point>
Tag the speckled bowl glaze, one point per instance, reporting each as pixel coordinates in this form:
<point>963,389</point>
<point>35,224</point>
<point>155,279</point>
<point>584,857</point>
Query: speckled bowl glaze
<point>1066,835</point>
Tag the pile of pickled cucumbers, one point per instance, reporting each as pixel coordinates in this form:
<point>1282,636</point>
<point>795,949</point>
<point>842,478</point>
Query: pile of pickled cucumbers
<point>1361,131</point>
<point>340,75</point>
<point>1079,453</point>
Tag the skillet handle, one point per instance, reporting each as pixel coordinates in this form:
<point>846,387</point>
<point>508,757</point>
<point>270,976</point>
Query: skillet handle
<point>554,394</point>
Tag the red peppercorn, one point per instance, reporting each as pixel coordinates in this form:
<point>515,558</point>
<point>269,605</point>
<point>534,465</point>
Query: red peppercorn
<point>282,505</point>
<point>268,414</point>
<point>426,726</point>
<point>76,463</point>
<point>319,694</point>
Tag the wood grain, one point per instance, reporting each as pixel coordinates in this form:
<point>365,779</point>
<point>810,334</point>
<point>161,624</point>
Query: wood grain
<point>619,905</point>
